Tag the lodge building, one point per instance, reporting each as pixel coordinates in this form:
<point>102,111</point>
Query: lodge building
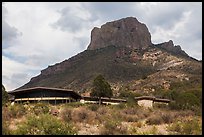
<point>57,95</point>
<point>44,94</point>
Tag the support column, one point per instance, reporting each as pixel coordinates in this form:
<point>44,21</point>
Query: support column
<point>55,100</point>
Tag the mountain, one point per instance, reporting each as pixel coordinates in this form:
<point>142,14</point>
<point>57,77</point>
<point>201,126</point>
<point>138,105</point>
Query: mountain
<point>123,53</point>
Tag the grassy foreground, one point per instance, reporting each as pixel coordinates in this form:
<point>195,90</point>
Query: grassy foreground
<point>84,119</point>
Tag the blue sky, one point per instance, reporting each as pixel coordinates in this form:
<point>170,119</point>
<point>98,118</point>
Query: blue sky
<point>36,35</point>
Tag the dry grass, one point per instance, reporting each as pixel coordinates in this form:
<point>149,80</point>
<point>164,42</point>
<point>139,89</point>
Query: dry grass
<point>107,120</point>
<point>82,114</point>
<point>66,114</point>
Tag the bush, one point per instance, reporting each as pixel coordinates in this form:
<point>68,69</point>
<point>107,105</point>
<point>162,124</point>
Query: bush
<point>83,115</point>
<point>93,107</point>
<point>183,101</point>
<point>5,128</point>
<point>130,118</point>
<point>154,120</point>
<point>187,127</point>
<point>66,114</point>
<point>17,110</point>
<point>41,108</point>
<point>167,118</point>
<point>121,106</point>
<point>112,127</point>
<point>44,124</point>
<point>130,111</point>
<point>160,118</point>
<point>74,104</point>
<point>5,96</point>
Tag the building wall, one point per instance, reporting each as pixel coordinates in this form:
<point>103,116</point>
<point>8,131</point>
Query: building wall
<point>145,103</point>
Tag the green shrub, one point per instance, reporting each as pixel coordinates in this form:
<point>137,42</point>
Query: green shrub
<point>154,120</point>
<point>17,110</point>
<point>183,101</point>
<point>5,128</point>
<point>167,118</point>
<point>130,118</point>
<point>41,108</point>
<point>130,111</point>
<point>93,107</point>
<point>44,124</point>
<point>112,127</point>
<point>121,106</point>
<point>186,127</point>
<point>152,131</point>
<point>74,104</point>
<point>5,96</point>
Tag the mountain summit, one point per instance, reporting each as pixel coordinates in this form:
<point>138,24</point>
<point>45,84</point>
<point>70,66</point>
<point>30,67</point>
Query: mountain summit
<point>123,53</point>
<point>126,32</point>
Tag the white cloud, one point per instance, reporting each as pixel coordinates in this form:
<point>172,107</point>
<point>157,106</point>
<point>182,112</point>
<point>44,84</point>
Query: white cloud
<point>15,73</point>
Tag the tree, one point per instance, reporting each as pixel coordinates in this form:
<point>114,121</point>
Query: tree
<point>4,95</point>
<point>101,88</point>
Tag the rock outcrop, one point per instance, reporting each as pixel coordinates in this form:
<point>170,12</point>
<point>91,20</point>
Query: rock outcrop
<point>169,46</point>
<point>126,32</point>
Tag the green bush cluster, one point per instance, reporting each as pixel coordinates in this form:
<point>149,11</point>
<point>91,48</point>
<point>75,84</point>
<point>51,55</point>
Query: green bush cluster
<point>186,127</point>
<point>160,118</point>
<point>184,100</point>
<point>5,128</point>
<point>185,95</point>
<point>112,127</point>
<point>44,124</point>
<point>17,110</point>
<point>41,108</point>
<point>74,104</point>
<point>93,107</point>
<point>5,96</point>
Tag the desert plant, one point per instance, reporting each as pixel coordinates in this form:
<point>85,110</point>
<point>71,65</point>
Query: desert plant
<point>5,96</point>
<point>17,110</point>
<point>5,128</point>
<point>74,104</point>
<point>154,120</point>
<point>66,114</point>
<point>44,124</point>
<point>93,107</point>
<point>167,117</point>
<point>186,127</point>
<point>41,108</point>
<point>113,127</point>
<point>83,115</point>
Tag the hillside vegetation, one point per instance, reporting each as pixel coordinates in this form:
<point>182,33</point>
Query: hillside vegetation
<point>183,116</point>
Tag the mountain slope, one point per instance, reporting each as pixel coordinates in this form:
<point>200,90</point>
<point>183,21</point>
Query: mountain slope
<point>122,51</point>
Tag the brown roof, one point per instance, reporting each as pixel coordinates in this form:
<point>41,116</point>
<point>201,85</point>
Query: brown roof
<point>45,88</point>
<point>145,97</point>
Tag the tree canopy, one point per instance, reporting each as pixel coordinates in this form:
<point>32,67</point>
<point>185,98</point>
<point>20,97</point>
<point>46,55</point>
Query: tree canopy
<point>4,95</point>
<point>101,88</point>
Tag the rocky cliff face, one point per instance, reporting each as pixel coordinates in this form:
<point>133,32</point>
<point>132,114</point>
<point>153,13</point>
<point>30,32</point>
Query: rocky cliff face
<point>126,32</point>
